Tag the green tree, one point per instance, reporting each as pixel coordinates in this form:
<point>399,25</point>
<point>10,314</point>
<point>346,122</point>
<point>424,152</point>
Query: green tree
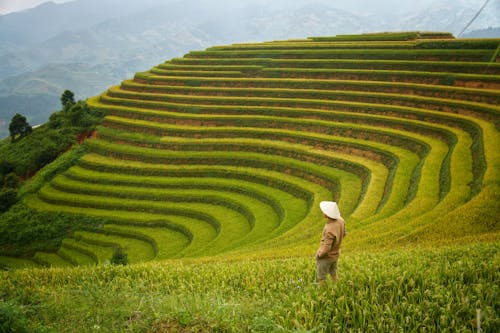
<point>47,152</point>
<point>19,127</point>
<point>67,98</point>
<point>11,180</point>
<point>8,197</point>
<point>119,257</point>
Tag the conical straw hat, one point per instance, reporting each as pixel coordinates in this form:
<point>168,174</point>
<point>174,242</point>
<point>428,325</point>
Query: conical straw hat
<point>330,209</point>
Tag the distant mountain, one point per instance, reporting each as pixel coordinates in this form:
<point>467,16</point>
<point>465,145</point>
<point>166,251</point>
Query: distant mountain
<point>453,16</point>
<point>86,45</point>
<point>484,33</point>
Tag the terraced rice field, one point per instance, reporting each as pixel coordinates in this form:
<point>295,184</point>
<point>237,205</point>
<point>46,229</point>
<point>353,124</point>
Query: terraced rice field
<point>231,149</point>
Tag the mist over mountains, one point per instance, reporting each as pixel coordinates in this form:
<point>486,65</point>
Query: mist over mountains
<point>88,45</point>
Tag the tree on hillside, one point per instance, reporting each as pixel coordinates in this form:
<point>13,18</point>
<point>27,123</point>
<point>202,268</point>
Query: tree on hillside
<point>19,127</point>
<point>67,98</point>
<point>8,197</point>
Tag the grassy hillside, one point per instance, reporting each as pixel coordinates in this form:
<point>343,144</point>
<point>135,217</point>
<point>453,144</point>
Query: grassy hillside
<point>224,156</point>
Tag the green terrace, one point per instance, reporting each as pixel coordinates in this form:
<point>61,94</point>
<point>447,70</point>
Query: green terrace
<point>228,151</point>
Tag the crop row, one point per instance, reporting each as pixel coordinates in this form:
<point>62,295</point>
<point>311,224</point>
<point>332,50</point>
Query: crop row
<point>191,65</point>
<point>436,179</point>
<point>408,77</point>
<point>206,86</point>
<point>124,233</point>
<point>72,244</point>
<point>313,126</point>
<point>435,78</point>
<point>385,36</point>
<point>8,263</point>
<point>323,175</point>
<point>297,188</point>
<point>399,162</point>
<point>295,208</point>
<point>52,196</point>
<point>47,259</point>
<point>327,43</point>
<point>137,249</point>
<point>296,151</point>
<point>100,254</point>
<point>171,195</point>
<point>444,168</point>
<point>260,193</point>
<point>395,54</point>
<point>315,99</point>
<point>169,244</point>
<point>328,122</point>
<point>438,117</point>
<point>262,217</point>
<point>316,140</point>
<point>230,225</point>
<point>75,257</point>
<point>464,122</point>
<point>196,73</point>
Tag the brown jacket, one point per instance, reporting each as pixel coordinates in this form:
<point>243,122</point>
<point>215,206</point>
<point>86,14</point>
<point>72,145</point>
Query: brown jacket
<point>333,233</point>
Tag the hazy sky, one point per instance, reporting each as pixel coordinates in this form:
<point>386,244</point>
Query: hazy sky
<point>356,6</point>
<point>7,6</point>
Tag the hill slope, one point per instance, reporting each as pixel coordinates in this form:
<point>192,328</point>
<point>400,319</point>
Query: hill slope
<point>233,148</point>
<point>223,156</point>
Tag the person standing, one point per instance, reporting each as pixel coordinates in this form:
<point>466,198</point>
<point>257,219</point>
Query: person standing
<point>328,253</point>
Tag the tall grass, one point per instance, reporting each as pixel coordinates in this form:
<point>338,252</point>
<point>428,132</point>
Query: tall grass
<point>431,290</point>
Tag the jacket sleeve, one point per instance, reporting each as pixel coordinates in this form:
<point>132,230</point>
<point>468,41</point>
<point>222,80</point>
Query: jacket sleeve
<point>326,244</point>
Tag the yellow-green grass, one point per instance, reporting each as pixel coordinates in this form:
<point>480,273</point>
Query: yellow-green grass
<point>169,243</point>
<point>312,99</point>
<point>75,256</point>
<point>263,218</point>
<point>106,201</point>
<point>16,263</point>
<point>418,216</point>
<point>197,73</point>
<point>396,158</point>
<point>440,79</point>
<point>190,64</point>
<point>288,208</point>
<point>436,78</point>
<point>387,36</point>
<point>136,250</point>
<point>311,165</point>
<point>286,135</point>
<point>395,54</point>
<point>315,43</point>
<point>305,44</point>
<point>347,199</point>
<point>378,173</point>
<point>230,225</point>
<point>400,290</point>
<point>477,157</point>
<point>50,260</point>
<point>228,86</point>
<point>292,215</point>
<point>461,121</point>
<point>392,157</point>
